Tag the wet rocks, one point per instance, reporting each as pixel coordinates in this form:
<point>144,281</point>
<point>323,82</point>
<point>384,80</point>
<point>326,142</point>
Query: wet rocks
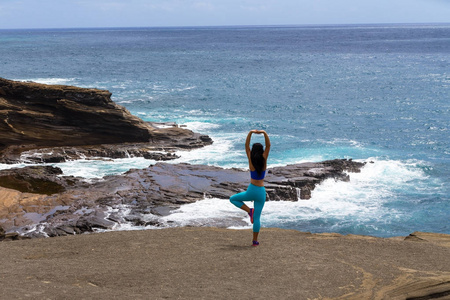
<point>36,179</point>
<point>140,197</point>
<point>297,181</point>
<point>11,236</point>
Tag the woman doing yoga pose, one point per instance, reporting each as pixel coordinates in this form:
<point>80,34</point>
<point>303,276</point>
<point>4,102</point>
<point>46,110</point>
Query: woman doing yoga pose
<point>257,161</point>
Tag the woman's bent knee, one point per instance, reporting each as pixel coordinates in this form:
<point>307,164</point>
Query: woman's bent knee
<point>236,203</point>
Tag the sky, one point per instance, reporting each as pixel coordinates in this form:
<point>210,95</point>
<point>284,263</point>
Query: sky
<point>162,13</point>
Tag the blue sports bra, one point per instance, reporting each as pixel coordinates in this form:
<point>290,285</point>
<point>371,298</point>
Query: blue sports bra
<point>254,175</point>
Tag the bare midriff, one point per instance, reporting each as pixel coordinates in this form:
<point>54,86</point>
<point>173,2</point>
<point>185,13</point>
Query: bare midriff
<point>259,182</point>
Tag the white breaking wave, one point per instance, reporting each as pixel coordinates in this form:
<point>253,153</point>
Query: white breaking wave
<point>363,199</point>
<point>208,212</point>
<point>98,168</point>
<point>57,81</point>
<point>93,168</point>
<point>11,166</point>
<point>221,153</point>
<point>201,127</point>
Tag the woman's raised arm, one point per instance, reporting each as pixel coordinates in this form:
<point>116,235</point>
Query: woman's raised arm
<point>267,142</point>
<point>247,142</point>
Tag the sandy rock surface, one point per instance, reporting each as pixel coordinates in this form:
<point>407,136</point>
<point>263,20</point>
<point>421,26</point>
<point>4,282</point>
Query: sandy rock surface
<point>199,263</point>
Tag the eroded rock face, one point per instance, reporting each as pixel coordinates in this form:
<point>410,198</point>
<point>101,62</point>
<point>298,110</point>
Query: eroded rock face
<point>51,115</point>
<point>137,195</point>
<point>34,116</point>
<point>36,179</point>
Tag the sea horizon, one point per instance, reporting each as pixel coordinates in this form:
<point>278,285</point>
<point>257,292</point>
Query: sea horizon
<point>236,26</point>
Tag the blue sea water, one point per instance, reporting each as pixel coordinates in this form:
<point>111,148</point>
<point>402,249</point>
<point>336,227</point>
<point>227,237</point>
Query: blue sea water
<point>375,93</point>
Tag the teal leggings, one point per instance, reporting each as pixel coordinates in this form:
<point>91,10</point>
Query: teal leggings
<point>256,194</point>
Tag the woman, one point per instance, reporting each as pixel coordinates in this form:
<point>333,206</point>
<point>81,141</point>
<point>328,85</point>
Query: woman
<point>257,161</point>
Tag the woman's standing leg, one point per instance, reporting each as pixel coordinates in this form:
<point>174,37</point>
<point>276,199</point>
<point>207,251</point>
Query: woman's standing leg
<point>258,196</point>
<point>259,202</point>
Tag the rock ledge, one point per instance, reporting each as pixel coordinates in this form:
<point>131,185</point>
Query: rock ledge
<point>70,122</point>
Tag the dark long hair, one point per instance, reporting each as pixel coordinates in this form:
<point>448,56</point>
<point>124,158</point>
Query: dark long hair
<point>256,155</point>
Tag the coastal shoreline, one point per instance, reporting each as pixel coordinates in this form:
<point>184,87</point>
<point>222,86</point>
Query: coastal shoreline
<point>182,262</point>
<point>55,123</point>
<point>205,263</point>
<point>39,202</point>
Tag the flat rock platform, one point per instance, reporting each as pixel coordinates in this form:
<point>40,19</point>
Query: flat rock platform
<point>210,263</point>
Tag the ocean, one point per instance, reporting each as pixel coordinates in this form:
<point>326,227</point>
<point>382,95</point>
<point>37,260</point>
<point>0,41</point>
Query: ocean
<point>373,93</point>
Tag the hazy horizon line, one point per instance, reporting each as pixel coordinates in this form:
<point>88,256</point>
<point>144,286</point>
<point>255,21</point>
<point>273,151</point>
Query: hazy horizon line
<point>235,26</point>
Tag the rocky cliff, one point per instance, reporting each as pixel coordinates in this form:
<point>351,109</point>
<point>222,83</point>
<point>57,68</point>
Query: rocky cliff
<point>35,116</point>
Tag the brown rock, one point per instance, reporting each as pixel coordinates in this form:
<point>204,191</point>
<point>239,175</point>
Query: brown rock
<point>35,179</point>
<point>16,206</point>
<point>435,238</point>
<point>55,115</point>
<point>36,116</point>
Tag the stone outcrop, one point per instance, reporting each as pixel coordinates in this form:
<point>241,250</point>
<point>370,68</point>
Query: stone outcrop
<point>138,197</point>
<point>35,116</point>
<point>36,179</point>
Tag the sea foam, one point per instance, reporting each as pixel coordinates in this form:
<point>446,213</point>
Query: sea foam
<point>52,81</point>
<point>346,207</point>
